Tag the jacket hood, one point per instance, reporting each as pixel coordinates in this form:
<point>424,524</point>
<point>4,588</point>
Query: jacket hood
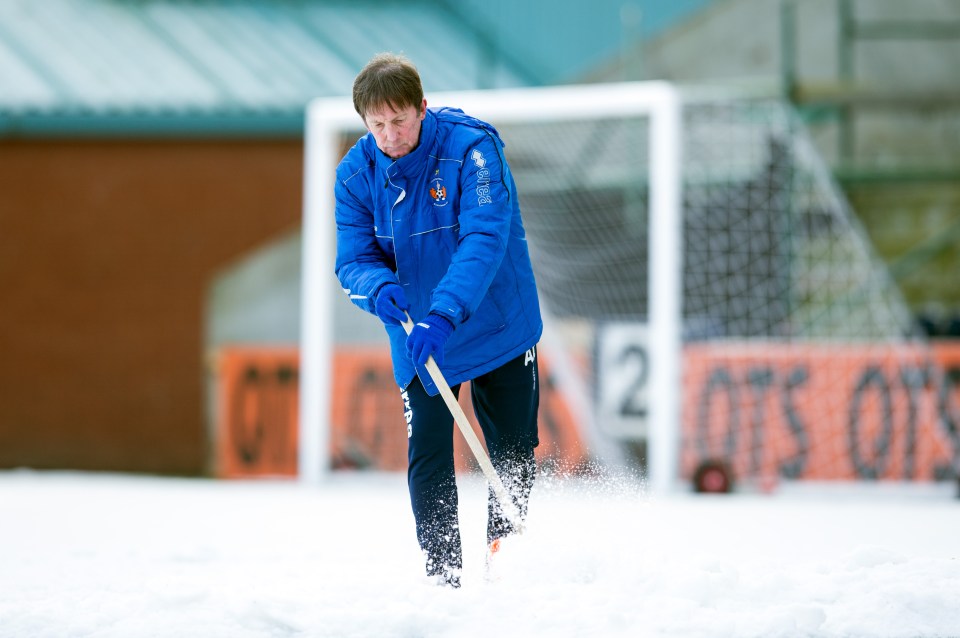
<point>457,116</point>
<point>413,162</point>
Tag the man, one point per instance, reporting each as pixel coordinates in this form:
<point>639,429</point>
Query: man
<point>428,223</point>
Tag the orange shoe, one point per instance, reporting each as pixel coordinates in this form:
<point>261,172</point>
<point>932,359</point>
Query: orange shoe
<point>492,549</point>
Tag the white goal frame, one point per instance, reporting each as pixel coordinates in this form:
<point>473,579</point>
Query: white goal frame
<point>326,118</point>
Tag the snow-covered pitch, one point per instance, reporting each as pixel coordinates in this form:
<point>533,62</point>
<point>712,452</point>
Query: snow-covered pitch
<point>98,556</point>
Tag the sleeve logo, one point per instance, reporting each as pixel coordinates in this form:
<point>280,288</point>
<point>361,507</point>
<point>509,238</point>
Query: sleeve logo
<point>478,159</point>
<point>483,178</point>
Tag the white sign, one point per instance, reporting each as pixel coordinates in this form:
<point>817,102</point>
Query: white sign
<point>623,373</point>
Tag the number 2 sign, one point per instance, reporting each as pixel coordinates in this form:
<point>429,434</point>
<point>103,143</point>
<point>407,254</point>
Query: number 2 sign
<point>623,372</point>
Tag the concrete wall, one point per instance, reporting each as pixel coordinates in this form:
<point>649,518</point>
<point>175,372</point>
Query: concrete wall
<point>738,43</point>
<point>740,39</point>
<point>107,252</point>
<point>256,299</point>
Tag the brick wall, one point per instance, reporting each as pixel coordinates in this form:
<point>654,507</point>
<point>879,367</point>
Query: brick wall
<point>106,250</point>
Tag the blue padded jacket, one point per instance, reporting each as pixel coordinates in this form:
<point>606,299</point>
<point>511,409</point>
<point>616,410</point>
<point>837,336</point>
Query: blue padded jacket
<point>443,222</point>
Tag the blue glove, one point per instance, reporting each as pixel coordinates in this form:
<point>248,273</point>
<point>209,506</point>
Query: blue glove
<point>427,338</point>
<point>391,304</point>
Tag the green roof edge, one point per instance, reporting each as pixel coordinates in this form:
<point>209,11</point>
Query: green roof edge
<point>33,124</point>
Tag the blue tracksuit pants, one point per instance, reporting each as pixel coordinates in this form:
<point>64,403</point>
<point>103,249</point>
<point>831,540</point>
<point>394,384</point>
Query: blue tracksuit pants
<point>505,401</point>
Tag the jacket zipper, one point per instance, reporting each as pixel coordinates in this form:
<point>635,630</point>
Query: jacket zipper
<point>393,233</point>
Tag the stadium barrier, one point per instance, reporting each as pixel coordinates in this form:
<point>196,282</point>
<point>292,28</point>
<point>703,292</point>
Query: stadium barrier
<point>256,431</point>
<point>830,412</point>
<point>762,408</point>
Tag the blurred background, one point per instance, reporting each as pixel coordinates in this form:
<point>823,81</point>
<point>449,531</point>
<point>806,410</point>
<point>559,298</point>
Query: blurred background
<point>151,180</point>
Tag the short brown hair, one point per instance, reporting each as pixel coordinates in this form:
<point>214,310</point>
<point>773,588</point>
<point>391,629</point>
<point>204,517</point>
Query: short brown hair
<point>387,80</point>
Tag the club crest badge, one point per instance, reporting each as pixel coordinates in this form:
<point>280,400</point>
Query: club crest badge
<point>438,192</point>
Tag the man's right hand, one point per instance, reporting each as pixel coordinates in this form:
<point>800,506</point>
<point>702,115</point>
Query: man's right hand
<point>391,304</point>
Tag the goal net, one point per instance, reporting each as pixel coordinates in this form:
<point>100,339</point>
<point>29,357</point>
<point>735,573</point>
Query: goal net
<point>708,297</point>
<point>800,358</point>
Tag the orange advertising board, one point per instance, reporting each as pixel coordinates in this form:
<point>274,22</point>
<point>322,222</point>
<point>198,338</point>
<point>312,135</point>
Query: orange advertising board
<point>886,412</point>
<point>827,412</point>
<point>257,401</point>
<point>369,429</point>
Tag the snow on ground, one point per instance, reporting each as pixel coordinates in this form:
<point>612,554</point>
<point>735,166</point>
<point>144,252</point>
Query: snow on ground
<point>116,556</point>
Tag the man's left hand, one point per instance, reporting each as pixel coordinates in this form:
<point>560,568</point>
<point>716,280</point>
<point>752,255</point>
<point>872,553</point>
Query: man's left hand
<point>427,338</point>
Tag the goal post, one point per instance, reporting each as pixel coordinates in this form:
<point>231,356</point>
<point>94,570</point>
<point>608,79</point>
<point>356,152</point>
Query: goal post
<point>710,300</point>
<point>657,104</point>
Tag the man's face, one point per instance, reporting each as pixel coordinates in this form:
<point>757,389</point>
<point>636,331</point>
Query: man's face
<point>396,132</point>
